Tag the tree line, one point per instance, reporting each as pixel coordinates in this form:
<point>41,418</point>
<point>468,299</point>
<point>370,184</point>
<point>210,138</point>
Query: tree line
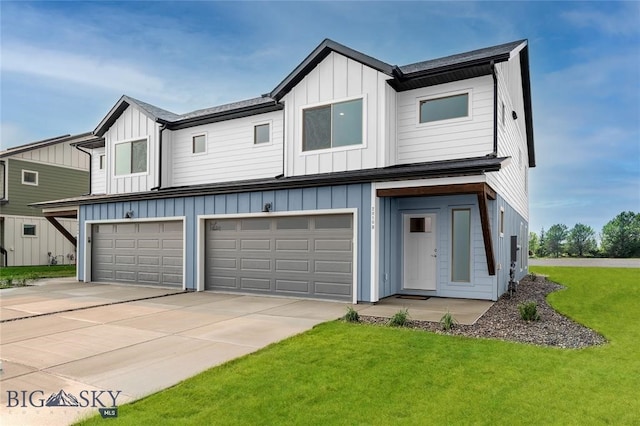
<point>620,237</point>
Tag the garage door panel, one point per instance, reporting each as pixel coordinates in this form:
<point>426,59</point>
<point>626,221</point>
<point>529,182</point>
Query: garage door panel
<point>145,253</point>
<point>296,255</point>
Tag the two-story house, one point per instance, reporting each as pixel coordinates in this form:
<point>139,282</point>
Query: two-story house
<point>352,180</point>
<point>40,171</point>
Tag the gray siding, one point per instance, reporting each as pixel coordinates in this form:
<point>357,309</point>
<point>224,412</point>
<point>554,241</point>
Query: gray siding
<point>330,197</point>
<point>514,224</point>
<point>54,183</point>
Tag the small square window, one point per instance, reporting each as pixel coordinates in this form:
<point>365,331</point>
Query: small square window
<point>29,177</point>
<point>28,230</point>
<point>199,144</point>
<point>261,133</point>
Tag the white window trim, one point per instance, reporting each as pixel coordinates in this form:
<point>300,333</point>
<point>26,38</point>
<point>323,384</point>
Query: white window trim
<point>469,283</point>
<point>116,176</point>
<point>434,96</point>
<point>35,229</point>
<point>29,183</point>
<point>501,222</point>
<point>253,133</point>
<point>206,143</point>
<point>363,145</point>
<point>102,161</point>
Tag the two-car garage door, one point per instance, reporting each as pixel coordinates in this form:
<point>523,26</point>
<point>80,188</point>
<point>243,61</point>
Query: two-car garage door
<point>302,256</point>
<point>148,253</point>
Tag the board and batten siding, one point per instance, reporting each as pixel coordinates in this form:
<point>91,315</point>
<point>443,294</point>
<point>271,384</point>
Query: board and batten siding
<point>299,200</point>
<point>132,125</point>
<point>32,250</point>
<point>512,180</point>
<point>54,183</point>
<point>338,78</point>
<point>230,155</point>
<point>481,286</point>
<point>514,224</point>
<point>98,176</point>
<point>60,154</point>
<point>449,139</point>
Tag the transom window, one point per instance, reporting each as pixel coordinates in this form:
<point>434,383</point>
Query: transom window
<point>444,108</point>
<point>131,157</point>
<point>29,177</point>
<point>199,144</point>
<point>332,126</point>
<point>261,133</point>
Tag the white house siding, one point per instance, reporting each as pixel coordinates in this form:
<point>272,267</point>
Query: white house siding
<point>450,139</point>
<point>335,79</point>
<point>511,181</point>
<point>231,154</point>
<point>25,251</point>
<point>97,175</point>
<point>132,125</point>
<point>60,154</point>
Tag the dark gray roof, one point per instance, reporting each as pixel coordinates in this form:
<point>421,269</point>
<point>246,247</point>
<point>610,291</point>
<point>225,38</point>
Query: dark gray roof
<point>435,169</point>
<point>46,142</point>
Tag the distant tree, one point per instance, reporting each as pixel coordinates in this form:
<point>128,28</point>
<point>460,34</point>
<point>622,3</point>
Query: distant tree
<point>555,238</point>
<point>533,243</point>
<point>581,240</point>
<point>542,244</point>
<point>621,236</point>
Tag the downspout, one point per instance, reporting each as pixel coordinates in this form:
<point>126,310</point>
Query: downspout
<point>90,166</point>
<point>163,127</point>
<point>495,109</point>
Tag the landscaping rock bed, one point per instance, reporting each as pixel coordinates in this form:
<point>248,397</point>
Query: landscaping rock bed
<point>502,320</point>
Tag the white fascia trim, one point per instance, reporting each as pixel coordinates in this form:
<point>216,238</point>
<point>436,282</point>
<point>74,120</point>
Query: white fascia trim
<point>375,233</point>
<point>88,247</point>
<point>200,243</point>
<point>431,182</point>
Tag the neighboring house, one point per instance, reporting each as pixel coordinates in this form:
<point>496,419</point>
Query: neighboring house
<point>36,172</point>
<point>352,180</point>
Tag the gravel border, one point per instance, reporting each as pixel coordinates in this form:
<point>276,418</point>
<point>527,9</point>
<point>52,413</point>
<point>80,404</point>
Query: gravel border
<point>502,321</point>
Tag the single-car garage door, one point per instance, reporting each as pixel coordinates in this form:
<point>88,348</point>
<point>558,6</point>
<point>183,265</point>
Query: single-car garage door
<point>147,253</point>
<point>302,256</point>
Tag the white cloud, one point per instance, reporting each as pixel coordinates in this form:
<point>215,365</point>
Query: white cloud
<point>623,22</point>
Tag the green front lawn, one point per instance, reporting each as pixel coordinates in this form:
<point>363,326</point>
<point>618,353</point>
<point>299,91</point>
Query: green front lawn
<point>340,373</point>
<point>11,276</point>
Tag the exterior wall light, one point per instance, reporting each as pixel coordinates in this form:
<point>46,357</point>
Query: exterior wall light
<point>266,208</point>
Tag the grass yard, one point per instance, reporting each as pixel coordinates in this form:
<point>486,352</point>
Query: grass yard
<point>11,276</point>
<point>340,373</point>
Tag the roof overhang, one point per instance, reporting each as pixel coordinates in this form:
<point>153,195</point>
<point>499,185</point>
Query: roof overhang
<point>225,115</point>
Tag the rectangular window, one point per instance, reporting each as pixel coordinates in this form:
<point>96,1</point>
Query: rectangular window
<point>261,133</point>
<point>199,144</point>
<point>461,245</point>
<point>445,108</point>
<point>30,177</point>
<point>501,221</point>
<point>131,157</point>
<point>2,180</point>
<point>101,162</point>
<point>332,126</point>
<point>502,114</point>
<point>28,230</point>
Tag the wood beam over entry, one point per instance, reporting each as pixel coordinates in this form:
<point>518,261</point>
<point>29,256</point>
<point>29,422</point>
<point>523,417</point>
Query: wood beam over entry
<point>481,190</point>
<point>52,218</point>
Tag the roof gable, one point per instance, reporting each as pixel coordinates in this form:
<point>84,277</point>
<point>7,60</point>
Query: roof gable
<point>153,112</point>
<point>46,142</point>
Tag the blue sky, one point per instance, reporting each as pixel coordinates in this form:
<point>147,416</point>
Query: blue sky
<point>65,64</point>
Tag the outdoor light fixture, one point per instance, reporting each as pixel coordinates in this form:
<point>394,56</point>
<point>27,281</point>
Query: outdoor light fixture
<point>266,208</point>
<point>514,115</point>
<point>129,214</point>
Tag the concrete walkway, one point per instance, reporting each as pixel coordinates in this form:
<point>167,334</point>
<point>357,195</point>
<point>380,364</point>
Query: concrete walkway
<point>84,339</point>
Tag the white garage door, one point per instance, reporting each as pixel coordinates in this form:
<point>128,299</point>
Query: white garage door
<point>302,256</point>
<point>147,253</point>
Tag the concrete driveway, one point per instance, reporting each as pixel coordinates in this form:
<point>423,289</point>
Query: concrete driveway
<point>104,343</point>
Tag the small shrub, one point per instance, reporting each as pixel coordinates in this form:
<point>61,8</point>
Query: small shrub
<point>400,318</point>
<point>448,321</point>
<point>529,311</point>
<point>351,315</point>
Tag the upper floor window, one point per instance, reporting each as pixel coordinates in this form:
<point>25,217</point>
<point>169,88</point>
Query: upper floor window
<point>262,133</point>
<point>332,126</point>
<point>444,108</point>
<point>2,179</point>
<point>131,157</point>
<point>199,144</point>
<point>30,177</point>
